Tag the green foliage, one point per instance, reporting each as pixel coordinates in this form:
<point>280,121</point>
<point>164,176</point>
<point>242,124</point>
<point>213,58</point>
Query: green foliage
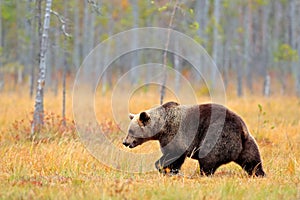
<point>8,10</point>
<point>163,8</point>
<point>286,53</point>
<point>195,25</point>
<point>261,2</point>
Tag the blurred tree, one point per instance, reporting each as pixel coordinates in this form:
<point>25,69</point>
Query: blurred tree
<point>135,39</point>
<point>65,64</point>
<point>32,38</point>
<point>38,115</point>
<point>264,53</point>
<point>216,39</point>
<point>285,56</point>
<point>76,39</point>
<point>163,86</point>
<point>247,42</point>
<point>239,54</point>
<point>242,37</point>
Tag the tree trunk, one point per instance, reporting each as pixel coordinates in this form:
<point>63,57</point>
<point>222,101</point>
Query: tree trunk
<point>76,49</point>
<point>177,67</point>
<point>65,65</point>
<point>239,77</point>
<point>265,50</point>
<point>276,32</point>
<point>247,46</point>
<point>38,115</point>
<point>226,61</point>
<point>292,24</point>
<point>267,83</point>
<point>239,57</point>
<point>294,41</point>
<point>105,76</point>
<point>164,81</point>
<point>135,60</point>
<point>216,43</point>
<point>57,62</point>
<point>19,51</point>
<point>88,30</point>
<point>36,41</point>
<point>202,8</point>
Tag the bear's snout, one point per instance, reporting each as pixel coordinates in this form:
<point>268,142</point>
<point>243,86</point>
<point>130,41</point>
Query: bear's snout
<point>126,144</point>
<point>131,144</point>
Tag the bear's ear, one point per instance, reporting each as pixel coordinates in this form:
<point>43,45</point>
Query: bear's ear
<point>144,118</point>
<point>131,116</point>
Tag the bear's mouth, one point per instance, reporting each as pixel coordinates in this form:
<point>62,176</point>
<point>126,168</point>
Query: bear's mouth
<point>131,145</point>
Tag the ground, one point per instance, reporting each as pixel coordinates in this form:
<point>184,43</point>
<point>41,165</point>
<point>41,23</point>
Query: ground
<point>58,166</point>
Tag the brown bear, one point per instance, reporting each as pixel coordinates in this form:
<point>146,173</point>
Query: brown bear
<point>209,133</point>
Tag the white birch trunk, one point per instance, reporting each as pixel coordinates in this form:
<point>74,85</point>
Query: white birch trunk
<point>39,99</point>
<point>265,49</point>
<point>267,83</point>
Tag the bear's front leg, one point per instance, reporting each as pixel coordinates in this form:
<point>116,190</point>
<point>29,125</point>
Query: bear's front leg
<point>169,165</point>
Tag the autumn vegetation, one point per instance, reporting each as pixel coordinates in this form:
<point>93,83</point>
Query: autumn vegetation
<point>57,165</point>
<point>255,45</point>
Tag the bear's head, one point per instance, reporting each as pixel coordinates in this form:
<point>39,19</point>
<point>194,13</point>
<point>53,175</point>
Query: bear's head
<point>144,126</point>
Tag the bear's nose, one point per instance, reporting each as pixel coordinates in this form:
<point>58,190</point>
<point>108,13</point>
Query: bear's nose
<point>125,143</point>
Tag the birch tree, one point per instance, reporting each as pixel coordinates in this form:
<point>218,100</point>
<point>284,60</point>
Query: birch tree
<point>76,49</point>
<point>239,58</point>
<point>163,87</point>
<point>64,68</point>
<point>135,39</point>
<point>216,43</point>
<point>38,115</point>
<point>247,46</point>
<point>265,50</point>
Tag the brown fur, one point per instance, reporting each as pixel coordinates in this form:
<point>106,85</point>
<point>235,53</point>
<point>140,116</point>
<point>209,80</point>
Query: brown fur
<point>209,133</point>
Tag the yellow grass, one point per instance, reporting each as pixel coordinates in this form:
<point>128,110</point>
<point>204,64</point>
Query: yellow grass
<point>58,166</point>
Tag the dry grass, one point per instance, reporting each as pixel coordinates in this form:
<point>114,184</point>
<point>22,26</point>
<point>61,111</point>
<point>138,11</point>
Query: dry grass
<point>58,166</point>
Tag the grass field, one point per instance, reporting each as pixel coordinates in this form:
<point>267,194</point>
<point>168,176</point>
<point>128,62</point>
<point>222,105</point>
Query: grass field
<point>57,166</point>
